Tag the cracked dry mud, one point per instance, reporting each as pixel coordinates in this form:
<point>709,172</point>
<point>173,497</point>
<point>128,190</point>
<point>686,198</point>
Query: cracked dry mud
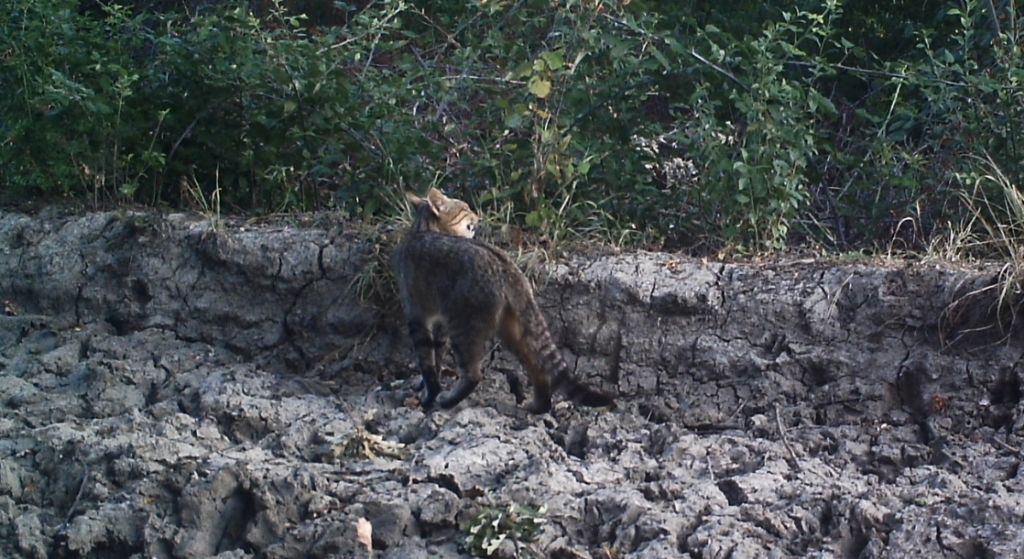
<point>172,389</point>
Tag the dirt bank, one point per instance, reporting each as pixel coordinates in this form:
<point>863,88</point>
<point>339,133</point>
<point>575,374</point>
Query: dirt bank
<point>175,389</point>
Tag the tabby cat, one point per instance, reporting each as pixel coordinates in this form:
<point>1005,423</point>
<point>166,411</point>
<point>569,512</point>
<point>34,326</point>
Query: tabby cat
<point>450,282</point>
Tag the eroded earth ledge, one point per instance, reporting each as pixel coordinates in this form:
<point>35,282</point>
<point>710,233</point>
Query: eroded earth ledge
<point>175,389</point>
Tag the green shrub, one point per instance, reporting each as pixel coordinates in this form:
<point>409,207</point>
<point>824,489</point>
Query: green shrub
<point>755,124</point>
<point>69,117</point>
<point>493,526</point>
<point>129,106</point>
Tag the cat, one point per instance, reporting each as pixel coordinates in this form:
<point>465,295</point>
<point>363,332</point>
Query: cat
<point>448,281</point>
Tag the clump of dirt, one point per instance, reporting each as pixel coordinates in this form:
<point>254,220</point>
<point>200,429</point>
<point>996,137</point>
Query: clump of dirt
<point>177,388</point>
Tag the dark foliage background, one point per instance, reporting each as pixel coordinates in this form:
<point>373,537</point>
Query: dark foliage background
<point>755,125</point>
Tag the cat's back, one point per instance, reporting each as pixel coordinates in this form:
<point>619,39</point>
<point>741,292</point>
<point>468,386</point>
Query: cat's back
<point>454,269</point>
<point>437,252</point>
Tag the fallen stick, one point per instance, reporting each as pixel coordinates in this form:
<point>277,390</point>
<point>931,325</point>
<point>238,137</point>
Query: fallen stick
<point>1011,448</point>
<point>785,440</point>
<point>78,497</point>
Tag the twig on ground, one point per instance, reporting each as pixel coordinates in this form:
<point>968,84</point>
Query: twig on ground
<point>739,408</point>
<point>78,497</point>
<point>1005,446</point>
<point>785,440</point>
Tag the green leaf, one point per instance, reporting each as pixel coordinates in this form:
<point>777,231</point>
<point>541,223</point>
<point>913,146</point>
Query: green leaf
<point>539,87</point>
<point>514,120</point>
<point>554,59</point>
<point>660,58</point>
<point>619,48</point>
<point>816,100</point>
<point>521,71</point>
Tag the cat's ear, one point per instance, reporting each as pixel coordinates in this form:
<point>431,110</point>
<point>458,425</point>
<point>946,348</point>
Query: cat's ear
<point>418,202</point>
<point>437,200</point>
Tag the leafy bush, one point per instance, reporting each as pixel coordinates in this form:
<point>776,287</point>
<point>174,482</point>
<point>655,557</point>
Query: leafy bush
<point>756,124</point>
<point>67,120</point>
<point>927,120</point>
<point>135,106</point>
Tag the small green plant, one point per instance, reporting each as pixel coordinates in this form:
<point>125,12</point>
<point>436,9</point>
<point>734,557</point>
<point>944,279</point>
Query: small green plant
<point>515,523</point>
<point>209,206</point>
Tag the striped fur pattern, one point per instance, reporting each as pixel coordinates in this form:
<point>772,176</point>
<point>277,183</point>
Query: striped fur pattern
<point>451,283</point>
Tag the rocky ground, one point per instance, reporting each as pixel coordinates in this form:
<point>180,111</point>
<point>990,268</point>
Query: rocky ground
<point>172,387</point>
